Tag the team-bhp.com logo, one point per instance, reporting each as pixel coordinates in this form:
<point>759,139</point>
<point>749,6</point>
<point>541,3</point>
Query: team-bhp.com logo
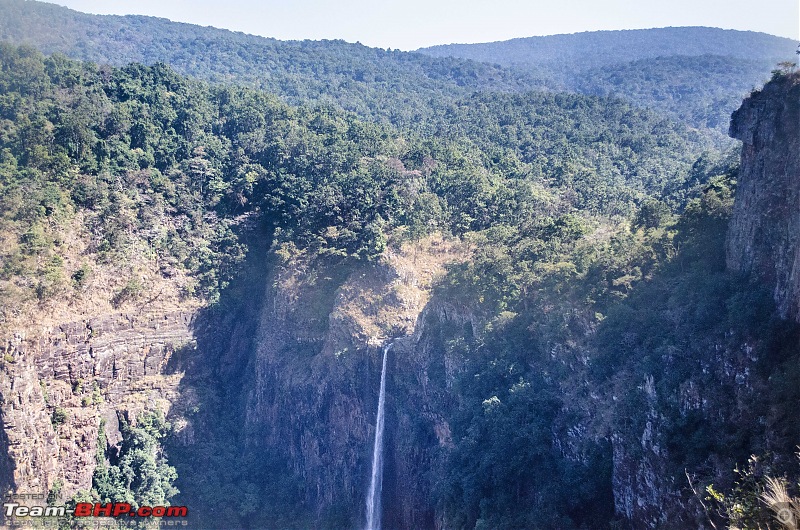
<point>88,509</point>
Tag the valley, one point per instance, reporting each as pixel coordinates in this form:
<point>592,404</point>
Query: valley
<point>566,292</point>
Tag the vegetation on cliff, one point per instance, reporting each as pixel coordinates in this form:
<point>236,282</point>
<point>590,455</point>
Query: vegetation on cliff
<point>140,163</point>
<point>604,327</point>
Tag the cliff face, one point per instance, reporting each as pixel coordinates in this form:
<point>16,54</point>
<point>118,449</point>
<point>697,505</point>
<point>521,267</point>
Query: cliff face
<point>297,373</point>
<point>316,376</point>
<point>728,379</point>
<point>764,234</point>
<point>57,383</point>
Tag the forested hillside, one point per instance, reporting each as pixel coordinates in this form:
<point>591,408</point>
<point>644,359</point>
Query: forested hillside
<point>378,84</point>
<point>596,49</point>
<point>143,156</point>
<point>701,90</point>
<point>698,75</point>
<point>693,74</point>
<point>202,264</point>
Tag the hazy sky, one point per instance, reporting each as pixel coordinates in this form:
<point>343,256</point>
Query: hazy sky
<point>411,24</point>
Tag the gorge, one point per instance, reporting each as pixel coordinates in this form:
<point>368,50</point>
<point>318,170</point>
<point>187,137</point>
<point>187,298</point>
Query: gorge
<point>576,312</point>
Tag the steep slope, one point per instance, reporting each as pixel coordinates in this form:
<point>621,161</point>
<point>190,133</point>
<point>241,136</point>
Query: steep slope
<point>641,357</point>
<point>130,198</point>
<point>763,240</point>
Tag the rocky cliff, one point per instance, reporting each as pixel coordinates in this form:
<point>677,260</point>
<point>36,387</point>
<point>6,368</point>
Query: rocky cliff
<point>764,235</point>
<point>317,366</point>
<point>295,370</point>
<point>717,397</point>
<point>58,382</point>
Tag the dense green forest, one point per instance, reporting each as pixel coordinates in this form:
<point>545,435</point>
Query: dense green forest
<point>584,211</point>
<point>709,70</point>
<point>597,49</point>
<point>151,158</point>
<point>701,90</point>
<point>698,75</point>
<point>633,318</point>
<point>379,84</point>
<point>597,282</point>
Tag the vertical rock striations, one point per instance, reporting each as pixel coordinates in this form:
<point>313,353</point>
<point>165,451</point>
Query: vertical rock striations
<point>764,233</point>
<point>317,368</point>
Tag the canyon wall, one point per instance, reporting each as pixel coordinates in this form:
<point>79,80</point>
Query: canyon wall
<point>316,375</point>
<point>58,382</point>
<point>764,234</point>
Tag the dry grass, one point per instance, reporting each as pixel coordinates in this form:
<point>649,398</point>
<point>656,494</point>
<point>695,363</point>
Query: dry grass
<point>386,299</point>
<point>96,296</point>
<point>785,507</point>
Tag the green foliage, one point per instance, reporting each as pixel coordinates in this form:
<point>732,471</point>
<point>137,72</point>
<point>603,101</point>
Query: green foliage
<point>130,291</point>
<point>756,500</point>
<point>604,49</point>
<point>634,316</point>
<point>695,74</point>
<point>702,90</point>
<point>386,85</point>
<point>58,417</point>
<point>178,169</point>
<point>698,75</point>
<point>152,159</point>
<point>81,276</point>
<point>652,214</point>
<point>137,472</point>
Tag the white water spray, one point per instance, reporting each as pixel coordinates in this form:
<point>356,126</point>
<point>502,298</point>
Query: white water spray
<point>376,483</point>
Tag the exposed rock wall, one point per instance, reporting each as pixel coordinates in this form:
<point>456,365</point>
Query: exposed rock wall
<point>764,233</point>
<point>724,385</point>
<point>650,483</point>
<point>87,370</point>
<point>306,391</point>
<point>317,370</point>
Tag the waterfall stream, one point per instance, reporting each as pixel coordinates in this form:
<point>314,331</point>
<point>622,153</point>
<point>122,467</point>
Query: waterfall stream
<point>376,482</point>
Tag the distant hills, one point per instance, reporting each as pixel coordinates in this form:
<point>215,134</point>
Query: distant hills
<point>695,74</point>
<point>701,90</point>
<point>587,50</point>
<point>388,85</point>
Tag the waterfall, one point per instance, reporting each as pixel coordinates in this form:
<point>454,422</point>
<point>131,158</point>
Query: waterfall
<point>376,482</point>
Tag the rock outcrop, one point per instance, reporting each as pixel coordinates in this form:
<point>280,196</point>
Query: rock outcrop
<point>764,233</point>
<point>317,369</point>
<point>57,383</point>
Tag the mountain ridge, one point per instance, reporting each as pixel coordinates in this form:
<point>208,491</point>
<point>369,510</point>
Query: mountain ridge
<point>767,46</point>
<point>404,88</point>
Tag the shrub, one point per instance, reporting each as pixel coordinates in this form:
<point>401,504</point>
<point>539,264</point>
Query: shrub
<point>59,417</point>
<point>132,290</point>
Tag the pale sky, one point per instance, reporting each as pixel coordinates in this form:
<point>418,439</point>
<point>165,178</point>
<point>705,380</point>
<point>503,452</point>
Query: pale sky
<point>411,24</point>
